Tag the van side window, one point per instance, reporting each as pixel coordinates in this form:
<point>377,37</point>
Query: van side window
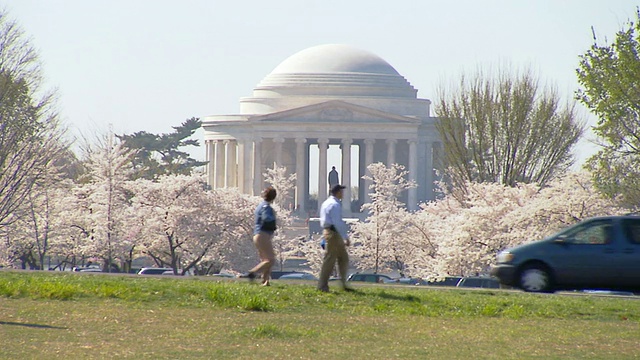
<point>632,230</point>
<point>370,278</point>
<point>595,233</point>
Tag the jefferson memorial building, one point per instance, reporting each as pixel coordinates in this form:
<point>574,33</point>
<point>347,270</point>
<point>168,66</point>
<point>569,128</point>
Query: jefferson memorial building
<point>322,96</point>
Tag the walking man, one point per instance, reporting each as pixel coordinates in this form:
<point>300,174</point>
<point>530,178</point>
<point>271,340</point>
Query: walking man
<point>335,233</point>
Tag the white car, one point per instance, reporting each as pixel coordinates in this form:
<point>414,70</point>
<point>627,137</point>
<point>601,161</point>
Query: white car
<point>154,271</point>
<point>91,268</point>
<point>224,275</point>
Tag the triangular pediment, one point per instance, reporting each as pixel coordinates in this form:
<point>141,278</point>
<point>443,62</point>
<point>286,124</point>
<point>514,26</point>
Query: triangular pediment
<point>334,111</point>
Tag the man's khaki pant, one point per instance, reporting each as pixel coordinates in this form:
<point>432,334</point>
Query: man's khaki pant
<point>335,250</point>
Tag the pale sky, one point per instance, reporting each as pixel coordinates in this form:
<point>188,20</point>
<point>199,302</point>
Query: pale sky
<point>151,64</point>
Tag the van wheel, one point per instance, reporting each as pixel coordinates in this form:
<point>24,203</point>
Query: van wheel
<point>535,278</point>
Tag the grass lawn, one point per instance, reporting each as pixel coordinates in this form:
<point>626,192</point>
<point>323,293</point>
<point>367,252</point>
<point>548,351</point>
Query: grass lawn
<point>92,316</point>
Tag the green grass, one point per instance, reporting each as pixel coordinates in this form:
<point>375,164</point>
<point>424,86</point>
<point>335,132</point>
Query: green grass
<point>92,316</point>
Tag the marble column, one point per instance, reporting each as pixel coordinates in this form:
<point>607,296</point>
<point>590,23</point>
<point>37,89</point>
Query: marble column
<point>429,178</point>
<point>368,160</point>
<point>346,176</point>
<point>240,174</point>
<point>323,146</point>
<point>220,167</point>
<point>391,151</point>
<point>258,166</point>
<point>413,168</point>
<point>211,163</point>
<point>244,165</point>
<point>278,150</point>
<point>301,190</point>
<point>231,168</point>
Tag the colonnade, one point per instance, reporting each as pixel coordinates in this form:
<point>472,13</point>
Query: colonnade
<point>241,162</point>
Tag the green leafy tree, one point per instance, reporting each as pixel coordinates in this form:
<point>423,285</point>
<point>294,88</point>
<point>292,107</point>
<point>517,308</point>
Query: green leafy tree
<point>609,75</point>
<point>159,155</point>
<point>506,129</point>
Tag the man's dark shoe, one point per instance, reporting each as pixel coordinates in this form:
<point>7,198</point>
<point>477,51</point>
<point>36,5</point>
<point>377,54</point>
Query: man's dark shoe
<point>323,289</point>
<point>349,289</point>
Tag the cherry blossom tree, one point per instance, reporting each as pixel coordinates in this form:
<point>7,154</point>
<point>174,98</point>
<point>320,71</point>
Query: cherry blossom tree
<point>313,253</point>
<point>5,251</point>
<point>283,183</point>
<point>77,242</point>
<point>183,226</point>
<point>175,221</point>
<point>235,213</point>
<point>19,248</point>
<point>103,200</point>
<point>461,235</point>
<point>34,234</point>
<point>379,241</point>
<point>566,201</point>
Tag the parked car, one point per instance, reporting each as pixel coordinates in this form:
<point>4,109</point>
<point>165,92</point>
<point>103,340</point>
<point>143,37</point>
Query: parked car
<point>608,292</point>
<point>408,281</point>
<point>298,276</point>
<point>278,274</point>
<point>154,271</point>
<point>597,253</point>
<point>91,268</point>
<point>445,281</point>
<point>371,278</point>
<point>170,272</point>
<point>224,275</point>
<point>484,282</point>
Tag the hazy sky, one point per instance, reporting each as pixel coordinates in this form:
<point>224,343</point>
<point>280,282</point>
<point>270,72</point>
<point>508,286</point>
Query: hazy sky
<point>151,64</point>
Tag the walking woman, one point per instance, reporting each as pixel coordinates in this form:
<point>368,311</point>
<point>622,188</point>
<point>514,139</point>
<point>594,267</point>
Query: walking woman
<point>265,226</point>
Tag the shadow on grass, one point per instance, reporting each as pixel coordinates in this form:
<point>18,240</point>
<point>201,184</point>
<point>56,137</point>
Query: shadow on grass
<point>32,325</point>
<point>383,295</point>
<point>407,297</point>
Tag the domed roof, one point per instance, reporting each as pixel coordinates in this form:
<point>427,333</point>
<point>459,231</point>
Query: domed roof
<point>335,70</point>
<point>334,58</point>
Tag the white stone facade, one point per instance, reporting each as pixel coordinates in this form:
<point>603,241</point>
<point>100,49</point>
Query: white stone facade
<point>321,96</point>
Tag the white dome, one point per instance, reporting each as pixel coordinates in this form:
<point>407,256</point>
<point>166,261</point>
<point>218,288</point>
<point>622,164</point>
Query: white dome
<point>334,58</point>
<point>334,70</point>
